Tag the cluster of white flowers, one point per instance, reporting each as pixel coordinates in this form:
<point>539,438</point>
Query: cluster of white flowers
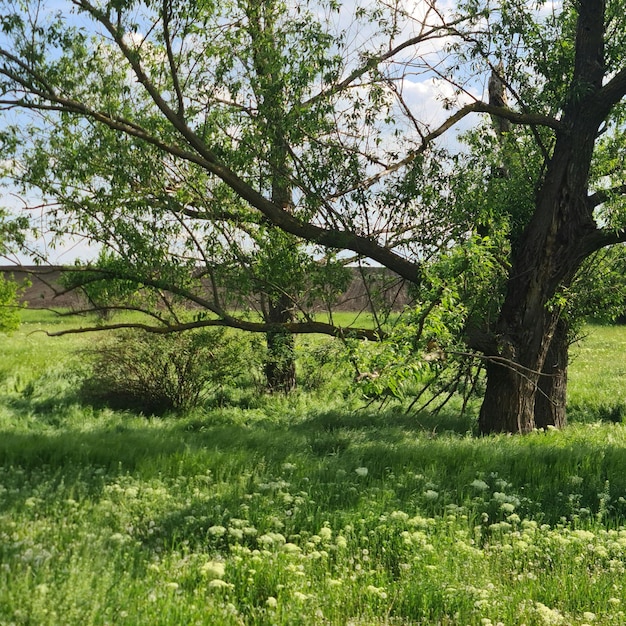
<point>213,569</point>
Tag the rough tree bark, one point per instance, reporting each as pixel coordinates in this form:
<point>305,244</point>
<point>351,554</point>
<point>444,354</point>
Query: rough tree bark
<point>280,360</point>
<point>560,235</point>
<point>550,400</point>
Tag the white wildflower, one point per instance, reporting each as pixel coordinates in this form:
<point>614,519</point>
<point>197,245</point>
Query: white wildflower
<point>479,485</point>
<point>291,548</point>
<point>399,515</point>
<point>213,569</point>
<point>217,583</point>
<point>376,591</point>
<point>549,617</point>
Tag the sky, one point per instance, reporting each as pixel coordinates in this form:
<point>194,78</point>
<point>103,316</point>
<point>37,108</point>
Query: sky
<point>422,93</point>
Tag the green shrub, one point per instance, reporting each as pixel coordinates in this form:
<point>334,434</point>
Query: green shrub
<point>154,374</point>
<point>9,305</point>
<point>320,362</point>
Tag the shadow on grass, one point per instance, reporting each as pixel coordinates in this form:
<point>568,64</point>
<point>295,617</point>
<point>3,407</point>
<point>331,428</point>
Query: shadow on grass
<point>113,449</point>
<point>366,418</point>
<point>553,475</point>
<point>584,413</point>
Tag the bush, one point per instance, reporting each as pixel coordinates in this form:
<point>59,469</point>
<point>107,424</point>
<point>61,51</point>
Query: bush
<point>321,362</point>
<point>154,374</point>
<point>9,305</point>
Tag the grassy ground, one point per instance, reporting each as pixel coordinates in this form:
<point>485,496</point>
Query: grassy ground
<point>598,375</point>
<point>305,510</point>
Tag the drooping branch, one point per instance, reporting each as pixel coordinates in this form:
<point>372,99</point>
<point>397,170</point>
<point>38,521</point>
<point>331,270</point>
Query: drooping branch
<point>308,327</point>
<point>222,317</point>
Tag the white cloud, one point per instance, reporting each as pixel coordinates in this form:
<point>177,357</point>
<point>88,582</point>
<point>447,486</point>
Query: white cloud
<point>431,102</point>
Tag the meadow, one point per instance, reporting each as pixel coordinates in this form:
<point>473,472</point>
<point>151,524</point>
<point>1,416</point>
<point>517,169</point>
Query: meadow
<point>309,509</point>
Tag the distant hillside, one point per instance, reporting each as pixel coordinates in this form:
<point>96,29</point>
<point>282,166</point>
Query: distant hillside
<point>46,291</point>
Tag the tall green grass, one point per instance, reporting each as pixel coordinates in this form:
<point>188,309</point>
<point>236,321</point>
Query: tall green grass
<point>304,510</point>
<point>598,375</point>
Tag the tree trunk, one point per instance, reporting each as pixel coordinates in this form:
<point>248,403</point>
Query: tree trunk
<point>508,404</point>
<point>280,363</point>
<point>280,359</point>
<point>551,395</point>
<point>560,235</point>
<point>526,389</point>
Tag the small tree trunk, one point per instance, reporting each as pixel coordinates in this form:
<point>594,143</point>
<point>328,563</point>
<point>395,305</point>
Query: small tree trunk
<point>280,360</point>
<point>551,395</point>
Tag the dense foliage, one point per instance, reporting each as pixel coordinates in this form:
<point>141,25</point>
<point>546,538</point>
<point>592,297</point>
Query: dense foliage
<point>9,306</point>
<point>156,374</point>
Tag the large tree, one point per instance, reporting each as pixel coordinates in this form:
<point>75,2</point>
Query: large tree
<point>256,126</point>
<point>565,227</point>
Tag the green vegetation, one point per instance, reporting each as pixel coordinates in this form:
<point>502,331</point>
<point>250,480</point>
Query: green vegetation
<point>304,509</point>
<point>239,168</point>
<point>156,374</point>
<point>9,306</point>
<point>598,376</point>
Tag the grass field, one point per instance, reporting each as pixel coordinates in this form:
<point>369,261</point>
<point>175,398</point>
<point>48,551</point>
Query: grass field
<point>305,510</point>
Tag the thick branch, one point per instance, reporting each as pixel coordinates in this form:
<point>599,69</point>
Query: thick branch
<point>602,238</point>
<point>309,327</point>
<point>223,317</point>
<point>613,91</point>
<point>603,195</point>
<point>331,238</point>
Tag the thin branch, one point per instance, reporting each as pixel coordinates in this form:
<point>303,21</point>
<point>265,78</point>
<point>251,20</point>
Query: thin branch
<point>529,119</point>
<point>371,63</point>
<point>167,14</point>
